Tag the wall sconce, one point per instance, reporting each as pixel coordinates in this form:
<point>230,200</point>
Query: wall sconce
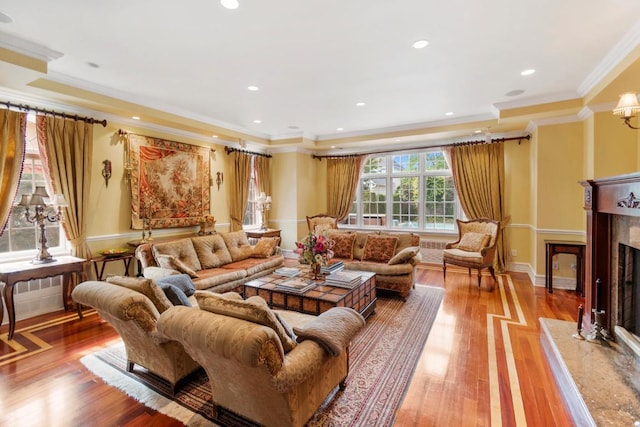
<point>42,212</point>
<point>627,108</point>
<point>106,171</point>
<point>219,179</point>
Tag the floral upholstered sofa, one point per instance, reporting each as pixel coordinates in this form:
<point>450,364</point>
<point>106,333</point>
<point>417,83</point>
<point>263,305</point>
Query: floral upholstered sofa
<point>392,256</point>
<point>220,262</point>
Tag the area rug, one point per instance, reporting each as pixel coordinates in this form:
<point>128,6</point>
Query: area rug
<point>382,360</point>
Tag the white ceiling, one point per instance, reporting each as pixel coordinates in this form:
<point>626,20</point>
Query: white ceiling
<point>313,60</point>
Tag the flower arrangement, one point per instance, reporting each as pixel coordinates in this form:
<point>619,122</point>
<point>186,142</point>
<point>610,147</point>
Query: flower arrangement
<point>315,249</point>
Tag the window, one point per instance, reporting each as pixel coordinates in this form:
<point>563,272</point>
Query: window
<point>412,191</point>
<point>251,214</point>
<point>20,237</point>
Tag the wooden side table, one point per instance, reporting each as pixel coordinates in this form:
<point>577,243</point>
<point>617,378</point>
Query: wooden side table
<point>554,247</point>
<point>125,258</point>
<point>24,271</point>
<point>256,234</point>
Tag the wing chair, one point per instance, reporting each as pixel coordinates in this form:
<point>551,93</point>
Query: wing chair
<point>475,247</point>
<point>321,222</point>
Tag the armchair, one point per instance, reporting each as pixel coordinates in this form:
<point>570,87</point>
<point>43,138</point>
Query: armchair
<point>475,247</point>
<point>321,222</point>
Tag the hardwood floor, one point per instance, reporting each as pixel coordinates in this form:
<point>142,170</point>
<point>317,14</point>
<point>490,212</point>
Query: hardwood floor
<point>482,364</point>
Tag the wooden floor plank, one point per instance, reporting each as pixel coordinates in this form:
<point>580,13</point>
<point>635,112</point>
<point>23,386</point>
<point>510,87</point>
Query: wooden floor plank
<point>450,387</point>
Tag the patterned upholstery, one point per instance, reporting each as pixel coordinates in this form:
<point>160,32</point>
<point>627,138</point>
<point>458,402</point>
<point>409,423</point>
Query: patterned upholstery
<point>475,247</point>
<point>320,223</point>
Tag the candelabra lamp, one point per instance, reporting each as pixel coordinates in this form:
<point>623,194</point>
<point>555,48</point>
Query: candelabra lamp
<point>42,212</point>
<point>263,204</point>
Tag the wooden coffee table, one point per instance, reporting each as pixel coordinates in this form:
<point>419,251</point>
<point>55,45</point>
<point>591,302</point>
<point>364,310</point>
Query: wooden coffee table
<point>319,299</point>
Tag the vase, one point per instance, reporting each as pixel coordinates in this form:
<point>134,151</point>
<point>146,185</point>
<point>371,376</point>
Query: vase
<point>315,269</point>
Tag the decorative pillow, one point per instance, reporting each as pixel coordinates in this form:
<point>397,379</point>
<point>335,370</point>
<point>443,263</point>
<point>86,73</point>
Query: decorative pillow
<point>253,309</point>
<point>404,255</point>
<point>379,248</point>
<point>343,247</point>
<point>265,247</point>
<point>181,249</point>
<point>333,330</point>
<point>211,250</point>
<point>180,281</point>
<point>175,294</point>
<point>473,242</point>
<point>173,263</point>
<point>146,287</point>
<point>238,245</point>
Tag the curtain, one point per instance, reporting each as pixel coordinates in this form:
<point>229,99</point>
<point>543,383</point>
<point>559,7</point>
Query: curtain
<point>66,148</point>
<point>343,174</point>
<point>478,174</point>
<point>263,177</point>
<point>12,148</point>
<point>239,183</point>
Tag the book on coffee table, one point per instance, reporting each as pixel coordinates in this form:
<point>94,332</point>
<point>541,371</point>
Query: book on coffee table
<point>344,279</point>
<point>287,271</point>
<point>298,285</point>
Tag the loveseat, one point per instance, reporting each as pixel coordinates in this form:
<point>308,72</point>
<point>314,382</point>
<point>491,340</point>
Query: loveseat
<point>256,366</point>
<point>392,256</point>
<point>219,262</point>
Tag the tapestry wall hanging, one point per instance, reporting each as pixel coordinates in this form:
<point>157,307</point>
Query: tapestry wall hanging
<point>169,182</point>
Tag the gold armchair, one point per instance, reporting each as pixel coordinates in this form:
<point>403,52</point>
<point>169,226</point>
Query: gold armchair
<point>475,247</point>
<point>321,222</point>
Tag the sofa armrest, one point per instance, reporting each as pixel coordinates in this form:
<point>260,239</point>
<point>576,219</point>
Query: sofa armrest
<point>155,273</point>
<point>333,330</point>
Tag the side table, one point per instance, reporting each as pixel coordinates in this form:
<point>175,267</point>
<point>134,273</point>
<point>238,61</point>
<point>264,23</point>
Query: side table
<point>24,271</point>
<point>554,247</point>
<point>125,258</point>
<point>256,234</point>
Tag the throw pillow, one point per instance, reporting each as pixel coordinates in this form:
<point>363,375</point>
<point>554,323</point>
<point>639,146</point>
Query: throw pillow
<point>379,248</point>
<point>211,250</point>
<point>404,255</point>
<point>146,287</point>
<point>265,247</point>
<point>253,309</point>
<point>181,249</point>
<point>173,263</point>
<point>333,330</point>
<point>180,281</point>
<point>473,242</point>
<point>238,245</point>
<point>343,247</point>
<point>175,294</point>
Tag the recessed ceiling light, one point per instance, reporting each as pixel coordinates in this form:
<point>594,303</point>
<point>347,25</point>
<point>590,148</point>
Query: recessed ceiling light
<point>230,4</point>
<point>449,113</point>
<point>214,136</point>
<point>360,104</point>
<point>398,140</point>
<point>477,131</point>
<point>339,129</point>
<point>515,92</point>
<point>333,146</point>
<point>293,127</point>
<point>93,65</point>
<point>420,44</point>
<point>5,19</point>
<point>527,72</point>
<point>135,117</point>
<point>257,121</point>
<point>253,88</point>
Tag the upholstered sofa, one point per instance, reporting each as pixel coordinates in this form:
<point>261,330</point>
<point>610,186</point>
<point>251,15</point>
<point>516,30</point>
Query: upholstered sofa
<point>220,262</point>
<point>392,256</point>
<point>256,366</point>
<point>132,306</point>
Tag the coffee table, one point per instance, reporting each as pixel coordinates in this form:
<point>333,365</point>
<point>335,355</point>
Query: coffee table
<point>318,299</point>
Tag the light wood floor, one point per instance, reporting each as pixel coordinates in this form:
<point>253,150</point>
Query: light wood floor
<point>481,366</point>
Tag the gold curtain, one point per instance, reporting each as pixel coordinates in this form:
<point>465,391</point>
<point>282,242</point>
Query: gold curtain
<point>239,184</point>
<point>478,174</point>
<point>12,148</point>
<point>342,181</point>
<point>262,165</point>
<point>66,148</point>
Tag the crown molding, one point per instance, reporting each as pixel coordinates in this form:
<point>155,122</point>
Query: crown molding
<point>555,121</point>
<point>620,50</point>
<point>28,48</point>
<point>536,100</point>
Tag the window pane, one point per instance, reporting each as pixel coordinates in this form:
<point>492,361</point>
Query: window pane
<point>375,165</point>
<point>374,201</point>
<point>22,239</point>
<point>406,202</point>
<point>405,163</point>
<point>440,212</point>
<point>435,161</point>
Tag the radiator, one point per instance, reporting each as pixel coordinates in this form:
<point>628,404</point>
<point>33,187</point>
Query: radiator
<point>431,251</point>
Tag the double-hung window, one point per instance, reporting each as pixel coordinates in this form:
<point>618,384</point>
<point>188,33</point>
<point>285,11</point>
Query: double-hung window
<point>412,191</point>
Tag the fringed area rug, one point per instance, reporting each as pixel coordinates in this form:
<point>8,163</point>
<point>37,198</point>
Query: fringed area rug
<point>382,360</point>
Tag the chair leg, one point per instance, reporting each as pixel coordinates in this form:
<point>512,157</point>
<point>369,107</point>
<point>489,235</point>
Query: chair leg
<point>493,273</point>
<point>129,366</point>
<point>444,269</point>
<point>479,277</point>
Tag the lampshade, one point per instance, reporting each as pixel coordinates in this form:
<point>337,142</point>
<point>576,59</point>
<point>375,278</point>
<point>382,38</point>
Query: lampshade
<point>60,201</point>
<point>24,201</point>
<point>37,200</point>
<point>627,106</point>
<point>41,191</point>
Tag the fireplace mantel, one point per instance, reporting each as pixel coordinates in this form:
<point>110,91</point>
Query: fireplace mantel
<point>604,199</point>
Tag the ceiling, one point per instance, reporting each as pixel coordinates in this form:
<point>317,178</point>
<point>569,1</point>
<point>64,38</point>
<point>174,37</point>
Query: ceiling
<point>313,60</point>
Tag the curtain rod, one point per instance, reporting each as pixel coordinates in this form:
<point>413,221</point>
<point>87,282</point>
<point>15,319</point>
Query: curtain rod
<point>26,107</point>
<point>230,150</point>
<point>493,140</point>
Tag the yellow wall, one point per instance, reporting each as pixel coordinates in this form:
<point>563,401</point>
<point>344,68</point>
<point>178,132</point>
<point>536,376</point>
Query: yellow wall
<point>615,146</point>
